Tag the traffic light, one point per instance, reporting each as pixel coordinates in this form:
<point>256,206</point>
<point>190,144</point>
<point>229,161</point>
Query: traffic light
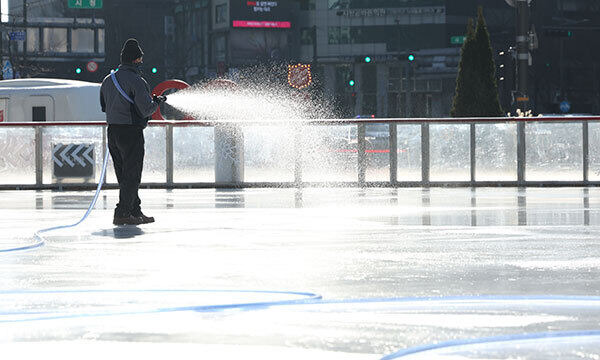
<point>350,79</point>
<point>154,70</point>
<point>411,57</point>
<point>363,59</point>
<point>558,33</point>
<point>78,70</point>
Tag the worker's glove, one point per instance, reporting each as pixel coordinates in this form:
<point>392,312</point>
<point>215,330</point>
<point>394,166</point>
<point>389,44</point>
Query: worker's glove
<point>159,98</point>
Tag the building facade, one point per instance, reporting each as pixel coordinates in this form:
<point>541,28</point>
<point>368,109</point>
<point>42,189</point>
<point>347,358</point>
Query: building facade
<point>387,58</point>
<point>49,39</point>
<point>565,67</point>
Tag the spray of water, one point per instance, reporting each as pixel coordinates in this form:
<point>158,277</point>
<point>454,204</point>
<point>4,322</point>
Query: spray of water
<point>260,95</point>
<point>272,116</point>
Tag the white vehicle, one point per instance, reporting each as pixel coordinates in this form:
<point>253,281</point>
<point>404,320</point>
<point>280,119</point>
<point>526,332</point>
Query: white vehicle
<point>25,100</point>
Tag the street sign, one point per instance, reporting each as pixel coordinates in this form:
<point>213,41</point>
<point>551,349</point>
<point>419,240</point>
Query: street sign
<point>7,70</point>
<point>456,40</point>
<point>17,35</point>
<point>85,4</point>
<point>92,66</point>
<point>565,106</point>
<point>73,160</point>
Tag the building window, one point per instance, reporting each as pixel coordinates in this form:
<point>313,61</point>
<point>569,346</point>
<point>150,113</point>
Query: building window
<point>220,48</point>
<point>101,41</point>
<point>345,35</point>
<point>33,40</point>
<point>333,34</point>
<point>338,4</point>
<point>381,4</point>
<point>428,105</point>
<point>55,40</point>
<point>82,40</point>
<point>369,78</point>
<point>306,36</point>
<point>339,35</point>
<point>221,14</point>
<point>308,4</point>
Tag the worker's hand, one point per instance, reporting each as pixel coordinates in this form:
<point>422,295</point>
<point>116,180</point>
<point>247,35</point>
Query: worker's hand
<point>159,98</point>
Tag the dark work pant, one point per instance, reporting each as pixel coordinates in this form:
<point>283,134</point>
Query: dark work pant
<point>126,146</point>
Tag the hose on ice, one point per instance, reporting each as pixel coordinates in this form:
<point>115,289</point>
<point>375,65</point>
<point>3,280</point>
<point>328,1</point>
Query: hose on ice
<point>39,239</point>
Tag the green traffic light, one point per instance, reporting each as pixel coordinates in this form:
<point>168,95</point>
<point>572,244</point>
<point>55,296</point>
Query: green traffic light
<point>351,82</point>
<point>411,57</point>
<point>78,70</point>
<point>367,59</point>
<point>154,70</point>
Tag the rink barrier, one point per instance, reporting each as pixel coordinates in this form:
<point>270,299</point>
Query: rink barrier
<point>361,154</point>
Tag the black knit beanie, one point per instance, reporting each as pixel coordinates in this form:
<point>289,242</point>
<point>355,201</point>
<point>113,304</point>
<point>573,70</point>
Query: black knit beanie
<point>131,51</point>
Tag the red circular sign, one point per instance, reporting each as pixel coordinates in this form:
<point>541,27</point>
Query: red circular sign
<point>92,66</point>
<point>164,86</point>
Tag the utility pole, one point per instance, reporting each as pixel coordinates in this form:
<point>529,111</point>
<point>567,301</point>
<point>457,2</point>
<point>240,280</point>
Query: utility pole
<point>314,43</point>
<point>522,97</point>
<point>1,50</point>
<point>25,22</point>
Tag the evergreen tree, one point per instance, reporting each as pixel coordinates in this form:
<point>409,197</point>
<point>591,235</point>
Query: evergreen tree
<point>465,87</point>
<point>489,99</point>
<point>476,88</point>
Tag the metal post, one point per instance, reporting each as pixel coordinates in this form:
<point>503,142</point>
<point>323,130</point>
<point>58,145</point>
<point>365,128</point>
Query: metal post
<point>393,153</point>
<point>314,44</point>
<point>96,41</point>
<point>586,151</point>
<point>362,154</point>
<point>586,207</point>
<point>409,90</point>
<point>39,163</point>
<point>298,156</point>
<point>473,207</point>
<point>522,53</point>
<point>473,148</point>
<point>522,206</point>
<point>521,153</point>
<point>1,50</point>
<point>425,154</point>
<point>41,39</point>
<point>104,140</point>
<point>169,145</point>
<point>69,40</point>
<point>25,23</point>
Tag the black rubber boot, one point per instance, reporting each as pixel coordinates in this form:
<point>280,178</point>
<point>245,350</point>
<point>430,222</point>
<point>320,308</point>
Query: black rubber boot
<point>129,220</point>
<point>145,219</point>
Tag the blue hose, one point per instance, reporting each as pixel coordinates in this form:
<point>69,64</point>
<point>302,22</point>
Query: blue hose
<point>490,340</point>
<point>303,297</point>
<point>40,241</point>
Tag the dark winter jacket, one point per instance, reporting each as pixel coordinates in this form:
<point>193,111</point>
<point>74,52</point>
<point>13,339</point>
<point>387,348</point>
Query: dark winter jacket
<point>118,110</point>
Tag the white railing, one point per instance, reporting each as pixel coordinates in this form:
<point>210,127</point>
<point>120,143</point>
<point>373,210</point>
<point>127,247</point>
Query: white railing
<point>373,150</point>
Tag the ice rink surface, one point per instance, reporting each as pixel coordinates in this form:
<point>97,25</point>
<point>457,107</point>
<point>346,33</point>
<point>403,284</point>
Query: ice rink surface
<point>305,274</point>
